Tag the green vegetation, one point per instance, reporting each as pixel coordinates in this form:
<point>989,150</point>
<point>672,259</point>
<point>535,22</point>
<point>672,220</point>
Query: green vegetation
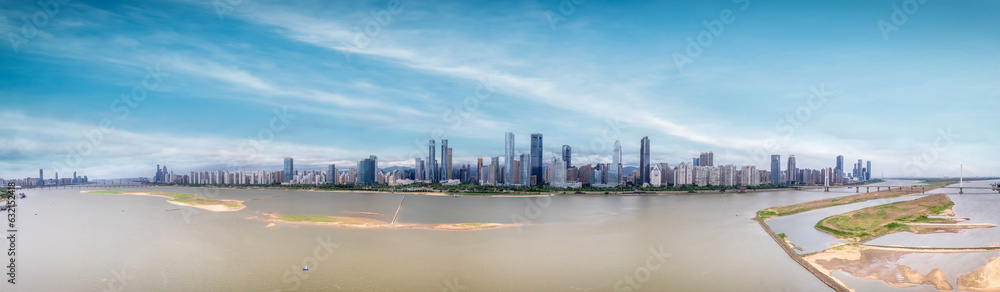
<point>176,197</point>
<point>883,219</point>
<point>782,236</point>
<point>825,203</point>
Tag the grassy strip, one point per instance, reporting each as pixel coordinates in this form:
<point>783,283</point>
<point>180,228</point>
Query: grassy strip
<point>177,197</point>
<point>831,202</point>
<point>884,219</point>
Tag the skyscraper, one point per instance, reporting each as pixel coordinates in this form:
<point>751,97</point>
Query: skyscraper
<point>449,174</point>
<point>525,169</point>
<point>839,173</point>
<point>41,178</point>
<point>567,155</point>
<point>509,158</point>
<point>614,172</point>
<point>445,164</point>
<point>289,169</point>
<point>868,172</point>
<point>536,158</point>
<point>331,174</point>
<point>418,169</point>
<point>695,162</point>
<point>643,161</point>
<point>431,163</point>
<point>366,171</point>
<point>480,176</point>
<point>792,171</point>
<point>558,173</point>
<point>495,169</point>
<point>775,169</point>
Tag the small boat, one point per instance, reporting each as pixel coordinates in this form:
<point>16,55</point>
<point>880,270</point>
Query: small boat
<point>305,268</point>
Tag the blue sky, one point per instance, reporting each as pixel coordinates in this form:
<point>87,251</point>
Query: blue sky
<point>356,78</point>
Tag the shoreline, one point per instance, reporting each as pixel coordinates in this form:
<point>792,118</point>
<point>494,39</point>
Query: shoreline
<point>438,193</point>
<point>210,207</point>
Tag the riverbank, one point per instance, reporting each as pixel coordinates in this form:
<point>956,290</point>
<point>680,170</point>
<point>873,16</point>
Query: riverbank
<point>181,199</point>
<point>831,202</point>
<point>369,223</point>
<point>879,263</point>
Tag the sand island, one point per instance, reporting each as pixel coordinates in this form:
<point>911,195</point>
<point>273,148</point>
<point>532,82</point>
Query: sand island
<point>368,223</point>
<point>182,199</point>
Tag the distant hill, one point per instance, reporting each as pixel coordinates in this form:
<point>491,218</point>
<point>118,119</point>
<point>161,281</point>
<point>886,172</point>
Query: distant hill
<point>628,170</point>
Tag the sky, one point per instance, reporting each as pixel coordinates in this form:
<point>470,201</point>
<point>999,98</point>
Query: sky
<point>111,89</point>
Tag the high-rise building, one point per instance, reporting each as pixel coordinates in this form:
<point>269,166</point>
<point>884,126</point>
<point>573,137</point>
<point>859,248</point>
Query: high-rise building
<point>567,155</point>
<point>495,169</point>
<point>654,175</point>
<point>536,158</point>
<point>792,171</point>
<point>614,171</point>
<point>449,167</point>
<point>445,164</point>
<point>558,178</point>
<point>41,178</point>
<point>525,169</point>
<point>838,174</point>
<point>775,169</point>
<point>331,174</point>
<point>432,168</point>
<point>480,175</point>
<point>696,161</point>
<point>868,171</point>
<point>367,171</point>
<point>706,159</point>
<point>418,169</point>
<point>509,158</point>
<point>643,161</point>
<point>289,170</point>
<point>859,171</point>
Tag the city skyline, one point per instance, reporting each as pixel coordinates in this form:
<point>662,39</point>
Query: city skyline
<point>451,77</point>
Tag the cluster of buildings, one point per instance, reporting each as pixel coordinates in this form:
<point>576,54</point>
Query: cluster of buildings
<point>42,181</point>
<point>521,169</point>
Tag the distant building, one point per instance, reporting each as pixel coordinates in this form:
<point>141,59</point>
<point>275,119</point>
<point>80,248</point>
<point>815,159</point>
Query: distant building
<point>567,155</point>
<point>558,178</point>
<point>614,171</point>
<point>331,174</point>
<point>536,158</point>
<point>644,161</point>
<point>432,168</point>
<point>654,176</point>
<point>868,171</point>
<point>445,173</point>
<point>289,170</point>
<point>525,170</point>
<point>792,171</point>
<point>775,169</point>
<point>706,159</point>
<point>509,158</point>
<point>367,171</point>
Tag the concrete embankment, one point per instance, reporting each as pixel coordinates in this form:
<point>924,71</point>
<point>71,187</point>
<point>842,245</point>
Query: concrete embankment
<point>826,279</point>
